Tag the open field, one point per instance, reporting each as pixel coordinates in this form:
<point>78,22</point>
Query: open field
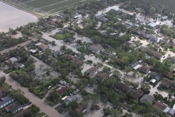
<point>45,7</point>
<point>165,4</point>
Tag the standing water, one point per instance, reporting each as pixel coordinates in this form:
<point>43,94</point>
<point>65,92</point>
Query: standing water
<point>11,17</point>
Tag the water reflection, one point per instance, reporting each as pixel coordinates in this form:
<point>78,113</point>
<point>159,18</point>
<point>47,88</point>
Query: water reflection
<point>11,17</point>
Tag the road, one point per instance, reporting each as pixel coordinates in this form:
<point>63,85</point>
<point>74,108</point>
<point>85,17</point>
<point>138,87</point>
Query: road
<point>14,47</point>
<point>50,111</point>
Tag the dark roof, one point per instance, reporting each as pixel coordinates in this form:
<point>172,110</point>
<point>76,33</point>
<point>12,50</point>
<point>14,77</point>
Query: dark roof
<point>136,93</point>
<point>62,90</point>
<point>172,59</point>
<point>144,69</point>
<point>160,106</point>
<point>77,61</point>
<point>103,75</point>
<point>22,113</point>
<point>91,70</point>
<point>5,100</point>
<point>13,107</point>
<point>122,87</point>
<point>147,99</point>
<point>168,75</point>
<point>96,48</point>
<point>166,83</point>
<point>158,55</point>
<point>80,108</point>
<point>155,76</point>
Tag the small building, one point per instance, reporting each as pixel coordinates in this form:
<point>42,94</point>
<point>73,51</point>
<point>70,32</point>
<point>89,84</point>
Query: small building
<point>102,75</point>
<point>136,93</point>
<point>70,99</point>
<point>155,76</point>
<point>62,90</point>
<point>166,83</point>
<point>160,106</point>
<point>96,48</point>
<point>91,71</point>
<point>81,109</point>
<point>41,46</point>
<point>6,101</point>
<point>120,87</point>
<point>14,107</point>
<point>12,60</point>
<point>136,65</point>
<point>77,61</point>
<point>147,99</point>
<point>22,113</point>
<point>102,18</point>
<point>144,70</point>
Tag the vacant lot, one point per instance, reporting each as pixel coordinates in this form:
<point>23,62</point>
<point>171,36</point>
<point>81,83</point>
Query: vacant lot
<point>47,6</point>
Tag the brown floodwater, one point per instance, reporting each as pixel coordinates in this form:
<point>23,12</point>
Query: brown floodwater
<point>11,17</point>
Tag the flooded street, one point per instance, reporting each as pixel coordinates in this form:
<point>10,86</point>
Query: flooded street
<point>12,17</point>
<point>51,112</point>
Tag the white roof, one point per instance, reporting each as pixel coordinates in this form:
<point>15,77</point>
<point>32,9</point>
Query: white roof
<point>166,109</point>
<point>137,66</point>
<point>37,44</point>
<point>153,80</point>
<point>33,50</point>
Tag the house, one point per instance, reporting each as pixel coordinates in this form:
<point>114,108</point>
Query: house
<point>102,18</point>
<point>62,90</point>
<point>18,65</point>
<point>160,106</point>
<point>166,83</point>
<point>70,99</point>
<point>158,55</point>
<point>102,75</point>
<point>144,70</point>
<point>136,65</point>
<point>76,92</point>
<point>14,107</point>
<point>81,109</point>
<point>12,60</point>
<point>171,44</point>
<point>91,71</point>
<point>168,75</point>
<point>153,39</point>
<point>136,93</point>
<point>155,76</point>
<point>22,113</point>
<point>121,87</point>
<point>171,111</point>
<point>96,48</point>
<point>77,61</point>
<point>41,46</point>
<point>147,99</point>
<point>5,101</point>
<point>33,51</point>
<point>172,59</point>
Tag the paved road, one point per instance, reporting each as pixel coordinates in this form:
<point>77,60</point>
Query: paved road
<point>50,111</point>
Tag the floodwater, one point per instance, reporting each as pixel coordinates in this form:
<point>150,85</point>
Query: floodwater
<point>11,17</point>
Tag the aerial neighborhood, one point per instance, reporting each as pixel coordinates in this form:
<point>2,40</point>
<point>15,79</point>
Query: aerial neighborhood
<point>108,58</point>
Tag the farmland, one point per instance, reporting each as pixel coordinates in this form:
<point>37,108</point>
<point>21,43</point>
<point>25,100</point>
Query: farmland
<point>46,7</point>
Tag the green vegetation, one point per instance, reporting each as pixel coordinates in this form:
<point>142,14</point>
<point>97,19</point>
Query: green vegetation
<point>62,36</point>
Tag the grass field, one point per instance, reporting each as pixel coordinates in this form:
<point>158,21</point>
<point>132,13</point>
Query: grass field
<point>47,6</point>
<point>167,4</point>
